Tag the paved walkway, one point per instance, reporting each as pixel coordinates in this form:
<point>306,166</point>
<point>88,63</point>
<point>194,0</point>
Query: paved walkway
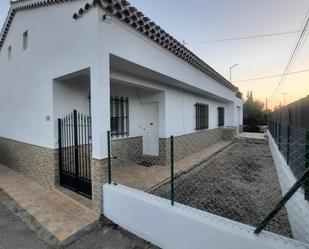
<point>58,213</point>
<point>253,135</point>
<point>17,232</point>
<point>147,178</point>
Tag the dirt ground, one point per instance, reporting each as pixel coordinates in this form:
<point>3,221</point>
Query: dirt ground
<point>239,183</point>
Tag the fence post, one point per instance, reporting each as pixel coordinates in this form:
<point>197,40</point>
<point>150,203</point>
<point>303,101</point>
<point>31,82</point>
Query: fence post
<point>60,147</point>
<point>272,128</point>
<point>76,157</point>
<point>288,145</point>
<point>109,157</point>
<point>275,131</point>
<point>279,139</point>
<point>172,171</point>
<point>283,201</point>
<point>307,166</point>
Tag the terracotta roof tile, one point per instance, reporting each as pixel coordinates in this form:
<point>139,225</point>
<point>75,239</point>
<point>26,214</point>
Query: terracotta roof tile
<point>123,10</point>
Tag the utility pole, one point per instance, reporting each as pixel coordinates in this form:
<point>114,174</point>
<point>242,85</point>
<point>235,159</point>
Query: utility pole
<point>231,71</point>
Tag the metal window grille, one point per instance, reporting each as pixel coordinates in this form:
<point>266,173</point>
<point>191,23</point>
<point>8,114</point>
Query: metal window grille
<point>220,116</point>
<point>202,116</point>
<point>119,116</point>
<point>25,40</point>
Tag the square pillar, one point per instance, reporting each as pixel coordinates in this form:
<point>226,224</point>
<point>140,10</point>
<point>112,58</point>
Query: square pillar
<point>100,116</point>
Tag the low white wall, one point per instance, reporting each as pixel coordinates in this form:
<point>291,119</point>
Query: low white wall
<point>181,227</point>
<point>297,207</point>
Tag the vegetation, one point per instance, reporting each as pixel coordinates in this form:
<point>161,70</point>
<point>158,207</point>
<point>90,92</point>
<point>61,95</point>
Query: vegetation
<point>254,113</point>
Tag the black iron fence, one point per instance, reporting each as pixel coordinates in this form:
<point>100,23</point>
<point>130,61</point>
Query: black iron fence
<point>289,127</point>
<point>74,131</point>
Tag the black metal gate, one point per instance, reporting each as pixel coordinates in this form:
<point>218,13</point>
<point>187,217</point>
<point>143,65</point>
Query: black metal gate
<point>74,131</point>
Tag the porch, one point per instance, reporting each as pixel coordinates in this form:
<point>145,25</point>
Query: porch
<point>146,177</point>
<point>141,109</point>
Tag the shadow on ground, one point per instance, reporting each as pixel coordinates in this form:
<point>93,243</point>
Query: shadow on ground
<point>18,230</point>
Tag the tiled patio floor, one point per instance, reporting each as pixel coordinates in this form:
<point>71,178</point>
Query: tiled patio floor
<point>146,178</point>
<point>58,213</point>
<point>75,196</point>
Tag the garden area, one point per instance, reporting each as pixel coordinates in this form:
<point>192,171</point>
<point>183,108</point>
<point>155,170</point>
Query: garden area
<point>239,183</point>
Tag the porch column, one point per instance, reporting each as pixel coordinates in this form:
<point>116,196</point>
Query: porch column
<point>100,112</point>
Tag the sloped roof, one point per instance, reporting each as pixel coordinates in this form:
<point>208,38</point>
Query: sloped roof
<point>14,9</point>
<point>128,14</point>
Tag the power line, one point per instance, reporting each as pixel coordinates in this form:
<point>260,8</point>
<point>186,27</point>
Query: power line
<point>295,50</point>
<point>271,76</point>
<point>244,37</point>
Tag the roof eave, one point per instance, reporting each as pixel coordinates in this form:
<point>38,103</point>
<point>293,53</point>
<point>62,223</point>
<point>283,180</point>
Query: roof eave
<point>125,12</point>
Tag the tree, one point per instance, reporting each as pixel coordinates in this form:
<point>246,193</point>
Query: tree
<point>254,112</point>
<point>277,107</point>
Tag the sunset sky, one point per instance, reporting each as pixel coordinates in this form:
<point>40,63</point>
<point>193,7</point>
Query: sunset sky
<point>202,20</point>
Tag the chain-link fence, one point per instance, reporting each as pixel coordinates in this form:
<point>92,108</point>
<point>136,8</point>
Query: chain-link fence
<point>238,182</point>
<point>215,171</point>
<point>291,141</point>
<point>290,146</point>
<point>144,163</point>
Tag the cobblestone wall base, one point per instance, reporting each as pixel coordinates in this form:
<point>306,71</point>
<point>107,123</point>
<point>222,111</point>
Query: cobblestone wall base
<point>37,163</point>
<point>99,176</point>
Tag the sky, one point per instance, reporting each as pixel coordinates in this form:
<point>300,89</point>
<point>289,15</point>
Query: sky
<point>202,20</point>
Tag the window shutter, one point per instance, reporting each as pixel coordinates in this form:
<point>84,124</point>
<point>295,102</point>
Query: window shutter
<point>220,116</point>
<point>119,113</point>
<point>202,116</point>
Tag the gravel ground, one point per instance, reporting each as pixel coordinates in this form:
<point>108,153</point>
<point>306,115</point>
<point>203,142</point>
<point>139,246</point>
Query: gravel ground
<point>239,183</point>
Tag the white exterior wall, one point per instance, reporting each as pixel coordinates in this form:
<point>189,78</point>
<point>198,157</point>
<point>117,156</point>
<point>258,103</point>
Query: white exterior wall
<point>135,47</point>
<point>67,96</point>
<point>57,45</point>
<point>71,95</point>
<point>177,107</point>
<point>181,227</point>
<point>180,109</point>
<point>179,104</point>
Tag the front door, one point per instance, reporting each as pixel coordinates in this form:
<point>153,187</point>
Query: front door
<point>150,129</point>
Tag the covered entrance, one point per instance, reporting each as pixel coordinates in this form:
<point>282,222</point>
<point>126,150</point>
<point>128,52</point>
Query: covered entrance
<point>73,130</point>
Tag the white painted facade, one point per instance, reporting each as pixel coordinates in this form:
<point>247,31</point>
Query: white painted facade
<point>67,59</point>
<point>181,227</point>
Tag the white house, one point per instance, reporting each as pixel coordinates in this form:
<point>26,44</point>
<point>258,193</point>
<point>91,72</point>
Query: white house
<point>107,60</point>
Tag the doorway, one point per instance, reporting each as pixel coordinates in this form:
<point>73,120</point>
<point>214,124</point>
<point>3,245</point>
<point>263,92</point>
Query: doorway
<point>150,128</point>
